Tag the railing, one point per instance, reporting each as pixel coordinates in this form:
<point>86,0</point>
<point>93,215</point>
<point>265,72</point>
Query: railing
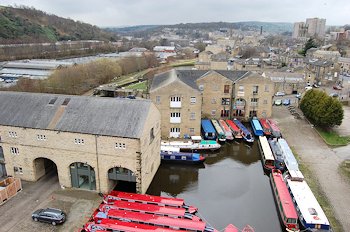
<point>175,119</point>
<point>175,104</point>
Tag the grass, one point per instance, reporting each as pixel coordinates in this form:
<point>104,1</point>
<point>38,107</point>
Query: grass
<point>183,63</point>
<point>332,138</point>
<point>141,85</point>
<point>344,169</point>
<point>319,194</point>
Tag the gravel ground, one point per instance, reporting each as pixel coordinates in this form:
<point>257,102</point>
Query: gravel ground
<point>323,161</point>
<point>15,215</point>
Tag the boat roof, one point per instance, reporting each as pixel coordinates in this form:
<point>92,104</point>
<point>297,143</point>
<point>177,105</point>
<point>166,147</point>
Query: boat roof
<point>224,126</point>
<point>196,137</point>
<point>211,142</point>
<point>241,126</point>
<point>158,220</point>
<point>232,125</point>
<point>148,198</point>
<point>276,150</point>
<point>296,175</point>
<point>125,226</point>
<point>217,126</point>
<point>143,207</point>
<point>267,153</point>
<point>264,123</point>
<point>288,156</point>
<point>170,148</point>
<point>273,125</point>
<point>256,124</point>
<point>207,126</point>
<point>307,203</point>
<point>284,195</point>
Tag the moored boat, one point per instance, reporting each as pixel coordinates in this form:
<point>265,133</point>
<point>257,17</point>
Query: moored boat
<point>234,128</point>
<point>257,128</point>
<point>208,130</point>
<point>266,154</point>
<point>265,126</point>
<point>288,156</point>
<point>154,220</point>
<point>220,132</point>
<point>231,228</point>
<point>173,154</point>
<point>247,136</point>
<point>116,225</point>
<point>275,131</point>
<point>311,215</point>
<point>227,130</point>
<point>148,199</point>
<point>277,154</point>
<point>149,209</point>
<point>284,203</point>
<point>196,144</point>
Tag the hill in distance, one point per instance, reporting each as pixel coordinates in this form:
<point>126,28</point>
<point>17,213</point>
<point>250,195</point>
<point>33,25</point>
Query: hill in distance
<point>28,25</point>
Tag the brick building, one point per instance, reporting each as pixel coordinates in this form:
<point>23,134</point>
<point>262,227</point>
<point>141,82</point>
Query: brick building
<point>93,143</point>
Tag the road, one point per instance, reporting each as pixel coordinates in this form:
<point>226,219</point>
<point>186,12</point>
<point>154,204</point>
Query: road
<point>322,160</point>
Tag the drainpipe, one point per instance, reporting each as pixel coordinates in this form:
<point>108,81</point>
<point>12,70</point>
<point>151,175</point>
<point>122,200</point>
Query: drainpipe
<point>97,165</point>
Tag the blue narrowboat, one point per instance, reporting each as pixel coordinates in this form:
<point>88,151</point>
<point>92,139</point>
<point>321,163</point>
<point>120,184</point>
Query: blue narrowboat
<point>208,131</point>
<point>257,128</point>
<point>247,136</point>
<point>173,154</point>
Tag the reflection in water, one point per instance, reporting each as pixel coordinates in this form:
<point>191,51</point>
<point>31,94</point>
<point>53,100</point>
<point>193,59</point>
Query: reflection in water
<point>230,187</point>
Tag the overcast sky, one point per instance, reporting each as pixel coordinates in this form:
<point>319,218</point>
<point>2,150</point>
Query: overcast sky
<point>142,12</point>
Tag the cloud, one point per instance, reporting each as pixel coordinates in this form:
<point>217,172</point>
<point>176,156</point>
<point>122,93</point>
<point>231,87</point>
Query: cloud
<point>136,12</point>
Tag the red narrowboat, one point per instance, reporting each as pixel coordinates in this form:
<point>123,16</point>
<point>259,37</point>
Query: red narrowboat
<point>275,131</point>
<point>235,130</point>
<point>266,127</point>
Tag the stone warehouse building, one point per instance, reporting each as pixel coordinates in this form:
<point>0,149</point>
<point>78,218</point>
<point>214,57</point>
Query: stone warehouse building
<point>93,143</point>
<point>183,97</point>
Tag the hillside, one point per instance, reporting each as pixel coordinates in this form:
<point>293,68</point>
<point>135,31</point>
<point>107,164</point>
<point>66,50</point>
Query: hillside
<point>27,25</point>
<point>271,27</point>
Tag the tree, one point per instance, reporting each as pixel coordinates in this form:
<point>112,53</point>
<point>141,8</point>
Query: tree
<point>322,110</point>
<point>309,44</point>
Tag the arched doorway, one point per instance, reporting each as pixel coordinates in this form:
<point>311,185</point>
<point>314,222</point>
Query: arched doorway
<point>122,179</point>
<point>44,167</point>
<point>238,108</point>
<point>82,176</point>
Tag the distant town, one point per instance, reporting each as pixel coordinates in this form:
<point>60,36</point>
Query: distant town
<point>204,126</point>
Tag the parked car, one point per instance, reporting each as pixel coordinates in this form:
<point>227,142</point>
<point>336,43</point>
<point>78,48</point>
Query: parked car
<point>334,95</point>
<point>131,97</point>
<point>298,95</point>
<point>315,86</point>
<point>49,215</point>
<point>336,87</point>
<point>279,94</point>
<point>286,102</point>
<point>278,102</point>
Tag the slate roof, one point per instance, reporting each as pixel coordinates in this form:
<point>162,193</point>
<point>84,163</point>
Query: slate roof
<point>189,77</point>
<point>87,115</point>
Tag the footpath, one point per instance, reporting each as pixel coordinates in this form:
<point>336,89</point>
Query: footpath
<point>322,161</point>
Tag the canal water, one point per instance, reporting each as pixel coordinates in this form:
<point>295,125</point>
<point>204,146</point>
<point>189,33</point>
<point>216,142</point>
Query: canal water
<point>230,187</point>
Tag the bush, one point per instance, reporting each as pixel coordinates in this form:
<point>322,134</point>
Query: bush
<point>321,109</point>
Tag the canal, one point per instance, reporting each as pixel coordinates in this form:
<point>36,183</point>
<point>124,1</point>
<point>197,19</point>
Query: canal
<point>230,187</point>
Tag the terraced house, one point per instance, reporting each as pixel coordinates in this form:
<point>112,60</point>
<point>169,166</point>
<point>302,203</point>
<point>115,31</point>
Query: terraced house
<point>92,143</point>
<point>183,97</point>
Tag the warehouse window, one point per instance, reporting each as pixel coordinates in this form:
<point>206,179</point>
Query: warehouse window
<point>14,150</point>
<point>79,141</point>
<point>13,134</point>
<point>120,146</point>
<point>151,136</point>
<point>41,137</point>
<point>18,170</point>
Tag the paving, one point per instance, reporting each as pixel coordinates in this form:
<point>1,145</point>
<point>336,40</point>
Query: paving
<point>322,160</point>
<point>15,214</point>
<point>344,128</point>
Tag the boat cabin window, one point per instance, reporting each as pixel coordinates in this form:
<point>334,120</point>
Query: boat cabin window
<point>312,211</point>
<point>292,220</point>
<point>172,157</point>
<point>183,157</point>
<point>269,162</point>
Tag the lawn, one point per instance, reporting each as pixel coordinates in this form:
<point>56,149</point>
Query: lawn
<point>319,194</point>
<point>332,138</point>
<point>140,85</point>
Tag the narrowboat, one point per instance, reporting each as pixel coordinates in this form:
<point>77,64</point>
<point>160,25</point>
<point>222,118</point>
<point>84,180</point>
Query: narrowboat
<point>196,144</point>
<point>311,215</point>
<point>149,209</point>
<point>116,225</point>
<point>227,130</point>
<point>265,126</point>
<point>266,154</point>
<point>247,136</point>
<point>234,128</point>
<point>288,156</point>
<point>275,131</point>
<point>277,154</point>
<point>148,199</point>
<point>219,131</point>
<point>231,228</point>
<point>284,203</point>
<point>154,220</point>
<point>173,154</point>
<point>257,128</point>
<point>208,130</point>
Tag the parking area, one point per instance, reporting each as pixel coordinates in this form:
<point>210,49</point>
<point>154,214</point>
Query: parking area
<point>16,213</point>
